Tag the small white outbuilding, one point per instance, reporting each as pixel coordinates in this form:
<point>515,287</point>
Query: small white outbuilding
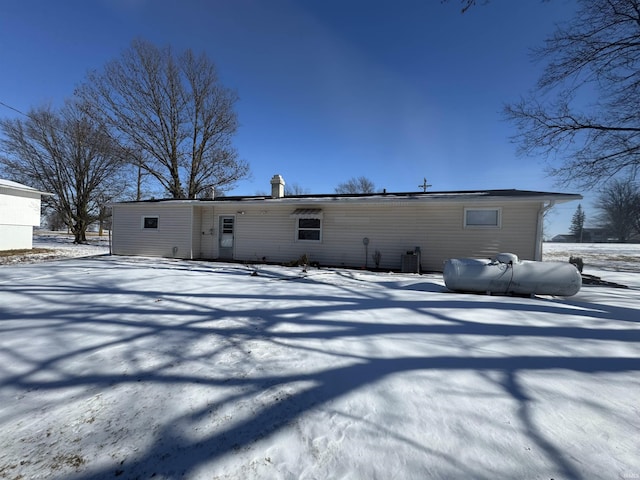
<point>19,213</point>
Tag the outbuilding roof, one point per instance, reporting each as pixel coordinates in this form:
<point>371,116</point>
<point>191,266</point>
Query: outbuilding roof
<point>8,184</point>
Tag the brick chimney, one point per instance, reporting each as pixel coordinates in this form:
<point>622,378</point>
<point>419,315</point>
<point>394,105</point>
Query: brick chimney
<point>277,186</point>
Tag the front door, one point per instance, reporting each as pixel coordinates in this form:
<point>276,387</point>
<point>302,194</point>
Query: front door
<point>225,238</point>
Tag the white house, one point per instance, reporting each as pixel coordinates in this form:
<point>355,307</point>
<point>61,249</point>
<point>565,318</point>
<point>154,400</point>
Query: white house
<point>19,213</point>
<point>398,230</point>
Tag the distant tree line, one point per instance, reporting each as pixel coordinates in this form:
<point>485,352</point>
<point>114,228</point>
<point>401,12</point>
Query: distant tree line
<point>356,185</point>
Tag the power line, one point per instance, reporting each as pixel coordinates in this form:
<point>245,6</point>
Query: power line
<point>30,116</point>
<point>13,108</point>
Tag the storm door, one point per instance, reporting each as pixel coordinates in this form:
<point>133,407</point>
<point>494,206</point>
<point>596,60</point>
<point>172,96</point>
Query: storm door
<point>225,238</point>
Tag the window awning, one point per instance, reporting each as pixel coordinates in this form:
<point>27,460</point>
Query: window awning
<point>307,213</point>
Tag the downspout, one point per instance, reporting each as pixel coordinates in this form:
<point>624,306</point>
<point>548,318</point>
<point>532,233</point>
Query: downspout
<point>193,211</point>
<point>540,228</point>
<point>110,232</point>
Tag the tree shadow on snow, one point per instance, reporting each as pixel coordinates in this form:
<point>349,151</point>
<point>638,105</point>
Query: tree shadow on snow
<point>177,321</point>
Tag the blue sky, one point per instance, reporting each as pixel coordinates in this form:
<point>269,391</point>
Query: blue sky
<point>329,89</point>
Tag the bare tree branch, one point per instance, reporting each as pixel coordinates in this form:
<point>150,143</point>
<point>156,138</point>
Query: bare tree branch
<point>619,209</point>
<point>356,185</point>
<point>584,114</point>
<point>174,110</point>
<point>66,153</point>
<point>466,4</point>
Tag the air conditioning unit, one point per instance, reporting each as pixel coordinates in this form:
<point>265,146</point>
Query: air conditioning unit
<point>410,263</point>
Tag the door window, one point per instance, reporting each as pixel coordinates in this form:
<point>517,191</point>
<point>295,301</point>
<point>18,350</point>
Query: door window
<point>226,232</point>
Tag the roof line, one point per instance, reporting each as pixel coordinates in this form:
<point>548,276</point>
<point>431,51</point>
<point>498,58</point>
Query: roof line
<point>504,193</point>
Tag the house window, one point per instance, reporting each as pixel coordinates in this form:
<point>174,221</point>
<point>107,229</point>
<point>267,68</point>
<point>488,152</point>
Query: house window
<point>309,229</point>
<point>150,222</point>
<point>482,218</point>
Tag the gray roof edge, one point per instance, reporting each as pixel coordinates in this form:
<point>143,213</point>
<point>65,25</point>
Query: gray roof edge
<point>513,194</point>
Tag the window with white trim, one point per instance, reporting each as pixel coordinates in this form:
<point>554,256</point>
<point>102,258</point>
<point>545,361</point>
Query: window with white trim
<point>482,218</point>
<point>150,223</point>
<point>309,229</point>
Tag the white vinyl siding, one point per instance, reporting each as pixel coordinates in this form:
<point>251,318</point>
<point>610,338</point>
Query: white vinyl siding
<point>516,235</point>
<point>16,237</point>
<point>267,231</point>
<point>19,213</point>
<point>270,233</point>
<point>394,229</point>
<point>19,207</point>
<point>172,238</point>
<point>204,232</point>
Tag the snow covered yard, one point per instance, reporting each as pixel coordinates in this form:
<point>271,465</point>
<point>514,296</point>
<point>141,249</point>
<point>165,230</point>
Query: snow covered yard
<point>49,246</point>
<point>123,367</point>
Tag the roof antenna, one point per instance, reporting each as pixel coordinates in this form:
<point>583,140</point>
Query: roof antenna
<point>424,185</point>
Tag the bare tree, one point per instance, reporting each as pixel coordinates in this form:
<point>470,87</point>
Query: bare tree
<point>619,209</point>
<point>597,53</point>
<point>294,189</point>
<point>174,111</point>
<point>66,153</point>
<point>356,185</point>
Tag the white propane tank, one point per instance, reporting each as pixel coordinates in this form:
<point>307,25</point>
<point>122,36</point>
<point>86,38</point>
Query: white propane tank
<point>506,276</point>
<point>506,258</point>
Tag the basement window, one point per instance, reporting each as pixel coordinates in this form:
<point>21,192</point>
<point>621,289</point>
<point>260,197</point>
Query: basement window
<point>150,222</point>
<point>482,218</point>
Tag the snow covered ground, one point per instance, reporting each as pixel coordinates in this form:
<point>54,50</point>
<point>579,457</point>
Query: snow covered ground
<point>129,367</point>
<point>56,245</point>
